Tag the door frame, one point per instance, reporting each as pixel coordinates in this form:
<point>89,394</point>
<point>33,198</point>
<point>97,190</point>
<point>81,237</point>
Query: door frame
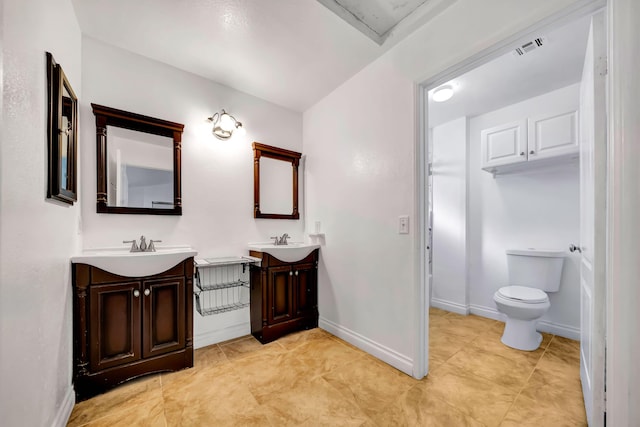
<point>423,285</point>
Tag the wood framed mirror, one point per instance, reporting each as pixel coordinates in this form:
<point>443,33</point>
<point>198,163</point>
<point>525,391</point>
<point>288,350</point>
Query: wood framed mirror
<point>138,163</point>
<point>62,135</point>
<point>275,182</point>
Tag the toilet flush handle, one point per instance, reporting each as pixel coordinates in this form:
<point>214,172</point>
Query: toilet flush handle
<point>573,248</point>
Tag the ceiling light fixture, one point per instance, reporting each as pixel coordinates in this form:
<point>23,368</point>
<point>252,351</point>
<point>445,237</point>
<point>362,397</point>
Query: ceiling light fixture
<point>443,93</point>
<point>225,124</point>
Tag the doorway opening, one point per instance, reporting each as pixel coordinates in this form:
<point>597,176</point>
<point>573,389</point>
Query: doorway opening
<point>478,202</point>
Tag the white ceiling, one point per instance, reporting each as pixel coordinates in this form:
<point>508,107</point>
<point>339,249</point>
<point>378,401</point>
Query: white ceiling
<point>290,52</point>
<point>509,78</point>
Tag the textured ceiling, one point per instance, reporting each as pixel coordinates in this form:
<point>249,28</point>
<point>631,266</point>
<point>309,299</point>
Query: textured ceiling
<point>510,78</point>
<point>290,52</point>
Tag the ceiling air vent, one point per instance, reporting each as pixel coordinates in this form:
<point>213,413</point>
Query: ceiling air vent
<point>529,46</point>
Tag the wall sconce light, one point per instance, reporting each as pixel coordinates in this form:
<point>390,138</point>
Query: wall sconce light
<point>225,124</point>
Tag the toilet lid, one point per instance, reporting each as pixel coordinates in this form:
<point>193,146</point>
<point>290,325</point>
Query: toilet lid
<point>523,293</point>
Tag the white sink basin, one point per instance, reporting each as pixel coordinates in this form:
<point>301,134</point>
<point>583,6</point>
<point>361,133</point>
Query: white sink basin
<point>134,264</point>
<point>292,252</point>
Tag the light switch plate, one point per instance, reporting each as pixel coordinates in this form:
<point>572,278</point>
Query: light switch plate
<point>403,224</point>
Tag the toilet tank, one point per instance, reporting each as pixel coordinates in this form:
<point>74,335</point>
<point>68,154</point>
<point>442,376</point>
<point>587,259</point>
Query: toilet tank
<point>535,268</point>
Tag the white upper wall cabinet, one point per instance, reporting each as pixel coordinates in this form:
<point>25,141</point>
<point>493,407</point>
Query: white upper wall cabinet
<point>552,135</point>
<point>535,141</point>
<point>504,144</point>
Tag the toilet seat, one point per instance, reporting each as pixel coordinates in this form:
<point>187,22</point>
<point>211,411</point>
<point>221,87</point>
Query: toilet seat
<point>523,294</point>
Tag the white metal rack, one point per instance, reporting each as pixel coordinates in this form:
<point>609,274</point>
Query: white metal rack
<point>222,284</point>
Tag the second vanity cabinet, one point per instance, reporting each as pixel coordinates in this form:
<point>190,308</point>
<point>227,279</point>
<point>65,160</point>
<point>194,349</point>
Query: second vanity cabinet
<point>125,327</point>
<point>284,296</point>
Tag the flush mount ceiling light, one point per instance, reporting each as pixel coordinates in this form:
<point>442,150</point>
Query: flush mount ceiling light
<point>443,93</point>
<point>225,124</point>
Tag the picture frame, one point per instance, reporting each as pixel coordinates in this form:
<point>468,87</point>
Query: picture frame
<point>62,135</point>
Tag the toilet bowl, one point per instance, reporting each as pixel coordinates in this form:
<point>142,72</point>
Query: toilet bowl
<point>522,306</point>
<point>532,273</point>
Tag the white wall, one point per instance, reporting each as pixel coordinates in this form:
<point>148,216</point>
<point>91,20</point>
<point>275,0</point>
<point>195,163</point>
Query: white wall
<point>539,208</point>
<point>449,247</point>
<point>360,141</point>
<point>37,235</point>
<point>217,176</point>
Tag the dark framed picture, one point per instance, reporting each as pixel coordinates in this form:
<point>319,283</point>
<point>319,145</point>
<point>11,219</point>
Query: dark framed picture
<point>62,135</point>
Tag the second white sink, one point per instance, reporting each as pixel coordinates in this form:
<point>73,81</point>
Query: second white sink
<point>291,252</point>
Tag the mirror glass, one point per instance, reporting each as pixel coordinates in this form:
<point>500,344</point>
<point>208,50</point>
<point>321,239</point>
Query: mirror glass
<point>65,135</point>
<point>139,169</point>
<point>276,191</point>
<point>275,182</point>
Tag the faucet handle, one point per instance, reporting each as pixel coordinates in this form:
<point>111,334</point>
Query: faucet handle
<point>151,247</point>
<point>134,245</point>
<point>275,242</point>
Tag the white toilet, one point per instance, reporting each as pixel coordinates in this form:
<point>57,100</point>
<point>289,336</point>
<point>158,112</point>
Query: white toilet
<point>532,273</point>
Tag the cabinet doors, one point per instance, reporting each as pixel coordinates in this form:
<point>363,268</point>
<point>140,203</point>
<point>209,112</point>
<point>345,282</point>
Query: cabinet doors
<point>279,294</point>
<point>504,144</point>
<point>114,335</point>
<point>163,323</point>
<point>305,286</point>
<point>553,134</point>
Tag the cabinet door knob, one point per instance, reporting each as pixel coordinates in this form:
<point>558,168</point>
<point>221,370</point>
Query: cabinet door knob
<point>147,292</point>
<point>522,153</point>
<point>136,293</point>
<point>296,272</point>
<point>532,152</point>
<point>291,273</point>
<point>574,248</point>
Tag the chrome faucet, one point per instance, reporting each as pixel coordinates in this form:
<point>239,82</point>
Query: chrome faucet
<point>143,247</point>
<point>277,241</point>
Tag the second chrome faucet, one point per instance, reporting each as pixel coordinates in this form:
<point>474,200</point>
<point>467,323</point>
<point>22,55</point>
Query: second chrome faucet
<point>282,240</point>
<point>143,247</point>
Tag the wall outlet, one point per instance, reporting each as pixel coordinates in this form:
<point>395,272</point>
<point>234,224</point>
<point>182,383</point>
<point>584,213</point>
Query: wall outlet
<point>403,224</point>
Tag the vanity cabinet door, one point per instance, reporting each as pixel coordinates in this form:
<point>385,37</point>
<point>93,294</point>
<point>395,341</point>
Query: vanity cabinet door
<point>163,322</point>
<point>305,289</point>
<point>114,335</point>
<point>279,294</point>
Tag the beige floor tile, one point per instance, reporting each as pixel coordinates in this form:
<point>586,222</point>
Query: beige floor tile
<point>556,394</point>
<point>418,407</point>
<point>371,383</point>
<point>477,397</point>
<point>314,403</point>
<point>527,412</point>
<point>433,311</point>
<point>324,355</point>
<point>508,372</point>
<point>268,372</point>
<point>443,345</point>
<point>147,414</point>
<point>563,369</point>
<point>296,339</point>
<point>125,396</point>
<point>245,346</point>
<point>211,396</point>
<point>465,327</point>
<point>209,356</point>
<point>564,348</point>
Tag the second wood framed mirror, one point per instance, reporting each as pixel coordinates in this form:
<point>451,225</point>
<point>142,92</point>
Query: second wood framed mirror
<point>275,182</point>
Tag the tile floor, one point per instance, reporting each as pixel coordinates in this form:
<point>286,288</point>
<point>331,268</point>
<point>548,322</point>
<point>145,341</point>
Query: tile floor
<point>314,379</point>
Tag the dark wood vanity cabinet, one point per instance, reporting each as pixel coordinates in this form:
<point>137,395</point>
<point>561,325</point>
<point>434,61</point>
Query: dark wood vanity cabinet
<point>284,296</point>
<point>127,327</point>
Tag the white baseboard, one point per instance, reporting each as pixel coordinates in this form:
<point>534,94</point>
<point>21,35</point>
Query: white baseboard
<point>490,313</point>
<point>220,335</point>
<point>542,325</point>
<point>387,355</point>
<point>450,306</point>
<point>64,411</point>
<point>565,331</point>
